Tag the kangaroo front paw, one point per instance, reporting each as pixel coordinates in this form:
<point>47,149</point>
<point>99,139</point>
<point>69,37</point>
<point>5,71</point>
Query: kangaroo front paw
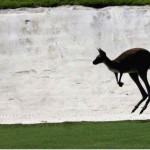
<point>120,84</point>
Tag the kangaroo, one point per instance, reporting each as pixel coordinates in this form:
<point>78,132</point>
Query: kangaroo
<point>135,62</point>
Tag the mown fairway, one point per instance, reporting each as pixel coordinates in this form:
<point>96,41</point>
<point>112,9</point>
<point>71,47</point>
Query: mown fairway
<point>125,134</point>
<point>53,3</point>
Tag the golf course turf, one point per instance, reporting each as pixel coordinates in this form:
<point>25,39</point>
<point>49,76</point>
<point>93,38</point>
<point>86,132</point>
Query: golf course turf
<point>120,134</point>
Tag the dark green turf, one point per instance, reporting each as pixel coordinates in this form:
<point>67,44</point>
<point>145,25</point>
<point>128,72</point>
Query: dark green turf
<point>53,3</point>
<point>125,134</point>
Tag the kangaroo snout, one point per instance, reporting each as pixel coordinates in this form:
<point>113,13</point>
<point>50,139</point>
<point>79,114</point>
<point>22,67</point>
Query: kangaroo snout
<point>94,63</point>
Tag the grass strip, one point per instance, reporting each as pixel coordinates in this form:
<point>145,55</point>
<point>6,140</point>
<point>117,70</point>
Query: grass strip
<point>121,134</point>
<point>4,4</point>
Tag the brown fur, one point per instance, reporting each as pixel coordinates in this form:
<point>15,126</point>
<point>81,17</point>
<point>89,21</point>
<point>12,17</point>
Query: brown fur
<point>134,61</point>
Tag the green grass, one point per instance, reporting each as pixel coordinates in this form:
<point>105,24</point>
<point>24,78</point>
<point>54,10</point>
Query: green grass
<point>125,134</point>
<point>53,3</point>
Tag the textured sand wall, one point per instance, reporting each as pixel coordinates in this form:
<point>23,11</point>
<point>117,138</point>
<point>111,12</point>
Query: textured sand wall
<point>46,71</point>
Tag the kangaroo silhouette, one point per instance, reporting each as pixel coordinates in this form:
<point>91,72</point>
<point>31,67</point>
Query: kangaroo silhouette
<point>135,62</point>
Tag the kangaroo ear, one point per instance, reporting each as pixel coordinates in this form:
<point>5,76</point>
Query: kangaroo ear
<point>101,51</point>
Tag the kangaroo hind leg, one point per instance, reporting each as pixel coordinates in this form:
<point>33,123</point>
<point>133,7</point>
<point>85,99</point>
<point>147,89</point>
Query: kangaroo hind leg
<point>143,76</point>
<point>135,78</point>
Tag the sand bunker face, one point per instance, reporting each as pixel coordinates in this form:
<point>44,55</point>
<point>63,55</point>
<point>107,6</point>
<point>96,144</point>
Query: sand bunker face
<point>46,70</point>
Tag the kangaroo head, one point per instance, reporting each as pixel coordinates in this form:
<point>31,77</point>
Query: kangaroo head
<point>100,58</point>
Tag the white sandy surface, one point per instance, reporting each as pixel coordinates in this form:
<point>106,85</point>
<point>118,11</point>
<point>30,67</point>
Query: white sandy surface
<point>46,70</point>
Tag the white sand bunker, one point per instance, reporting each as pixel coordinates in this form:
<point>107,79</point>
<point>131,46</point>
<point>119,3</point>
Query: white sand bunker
<point>46,70</point>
